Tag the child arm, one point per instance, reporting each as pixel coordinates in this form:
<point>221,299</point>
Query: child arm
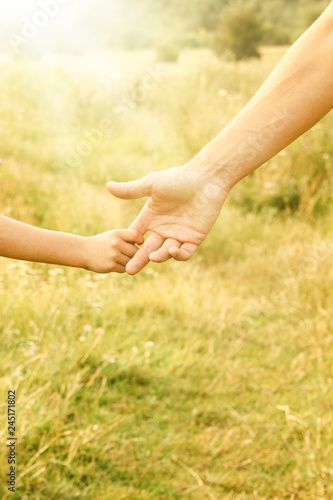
<point>108,252</point>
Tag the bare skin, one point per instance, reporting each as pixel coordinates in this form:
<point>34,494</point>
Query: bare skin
<point>104,253</point>
<point>184,202</point>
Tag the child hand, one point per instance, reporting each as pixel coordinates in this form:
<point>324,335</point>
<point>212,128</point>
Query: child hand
<point>111,251</point>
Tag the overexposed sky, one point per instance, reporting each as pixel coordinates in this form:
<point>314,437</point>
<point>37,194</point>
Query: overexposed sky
<point>39,24</point>
<point>12,13</point>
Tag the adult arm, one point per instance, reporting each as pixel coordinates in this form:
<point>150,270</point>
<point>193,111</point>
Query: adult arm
<point>185,202</point>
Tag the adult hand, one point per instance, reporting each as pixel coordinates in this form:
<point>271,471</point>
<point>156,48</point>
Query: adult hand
<point>183,206</point>
<point>185,202</point>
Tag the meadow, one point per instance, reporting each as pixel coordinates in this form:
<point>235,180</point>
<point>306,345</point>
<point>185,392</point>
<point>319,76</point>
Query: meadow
<point>206,380</point>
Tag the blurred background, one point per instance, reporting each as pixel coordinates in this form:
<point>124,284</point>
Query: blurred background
<point>86,25</point>
<point>205,380</point>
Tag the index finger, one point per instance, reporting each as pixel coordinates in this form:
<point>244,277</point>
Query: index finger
<point>141,259</point>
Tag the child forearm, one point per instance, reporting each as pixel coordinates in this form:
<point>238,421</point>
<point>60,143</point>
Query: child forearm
<point>23,242</point>
<point>104,253</point>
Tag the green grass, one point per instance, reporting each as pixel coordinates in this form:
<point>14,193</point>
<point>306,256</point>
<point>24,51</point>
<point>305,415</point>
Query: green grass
<point>205,380</point>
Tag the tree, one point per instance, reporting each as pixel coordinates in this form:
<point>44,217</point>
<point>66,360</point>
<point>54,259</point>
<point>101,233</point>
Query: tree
<point>241,32</point>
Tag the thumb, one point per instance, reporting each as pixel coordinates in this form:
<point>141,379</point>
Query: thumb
<point>133,189</point>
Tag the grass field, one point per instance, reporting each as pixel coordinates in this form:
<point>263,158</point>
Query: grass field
<point>206,380</point>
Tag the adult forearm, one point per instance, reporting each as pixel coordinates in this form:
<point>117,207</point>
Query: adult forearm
<point>23,242</point>
<point>294,98</point>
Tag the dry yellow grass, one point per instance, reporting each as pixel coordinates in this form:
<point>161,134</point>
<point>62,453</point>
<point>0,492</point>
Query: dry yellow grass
<point>210,380</point>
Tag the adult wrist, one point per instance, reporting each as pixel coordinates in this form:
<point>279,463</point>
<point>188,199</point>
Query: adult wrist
<point>214,171</point>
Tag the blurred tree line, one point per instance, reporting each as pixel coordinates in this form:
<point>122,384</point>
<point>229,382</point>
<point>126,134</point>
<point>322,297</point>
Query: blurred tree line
<point>237,25</point>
